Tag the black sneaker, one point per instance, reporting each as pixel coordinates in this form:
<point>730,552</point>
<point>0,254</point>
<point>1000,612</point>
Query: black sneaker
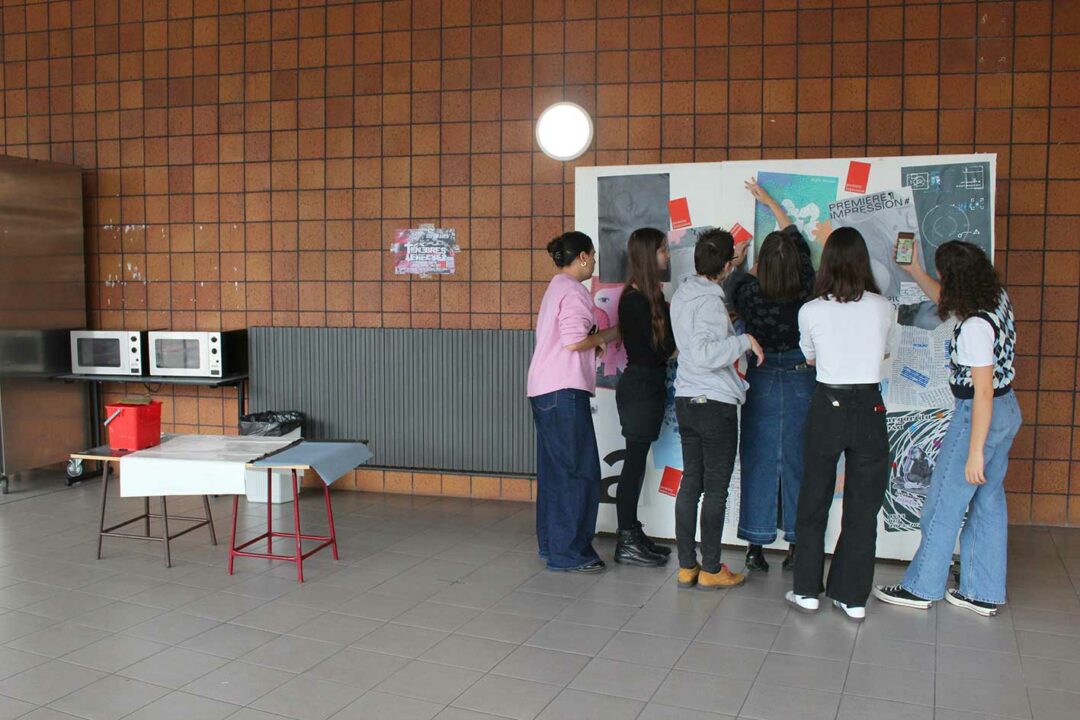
<point>588,568</point>
<point>976,606</point>
<point>896,595</point>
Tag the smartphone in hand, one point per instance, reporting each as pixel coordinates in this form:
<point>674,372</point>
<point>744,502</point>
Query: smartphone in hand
<point>905,248</point>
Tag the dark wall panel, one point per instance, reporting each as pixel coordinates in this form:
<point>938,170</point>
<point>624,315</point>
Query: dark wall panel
<point>451,400</point>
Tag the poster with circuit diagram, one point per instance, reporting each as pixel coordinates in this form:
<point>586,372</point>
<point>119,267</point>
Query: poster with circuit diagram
<point>952,202</point>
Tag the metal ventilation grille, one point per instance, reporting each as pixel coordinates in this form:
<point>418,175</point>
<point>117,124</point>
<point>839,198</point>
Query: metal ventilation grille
<point>425,399</point>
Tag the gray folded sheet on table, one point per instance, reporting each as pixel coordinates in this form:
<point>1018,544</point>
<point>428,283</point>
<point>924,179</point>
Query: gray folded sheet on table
<point>330,460</point>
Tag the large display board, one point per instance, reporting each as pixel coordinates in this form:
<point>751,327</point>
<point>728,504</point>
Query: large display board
<point>939,198</point>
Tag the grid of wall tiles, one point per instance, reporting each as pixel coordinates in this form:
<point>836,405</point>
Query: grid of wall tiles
<point>247,161</point>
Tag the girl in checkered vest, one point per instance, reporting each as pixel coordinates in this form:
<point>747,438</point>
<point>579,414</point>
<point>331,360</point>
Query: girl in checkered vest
<point>969,478</point>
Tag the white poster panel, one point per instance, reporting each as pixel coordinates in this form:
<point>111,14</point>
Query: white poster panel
<point>939,198</point>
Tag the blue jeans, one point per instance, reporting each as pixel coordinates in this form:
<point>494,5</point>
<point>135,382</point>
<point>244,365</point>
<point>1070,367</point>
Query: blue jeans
<point>771,445</point>
<point>983,539</point>
<point>567,478</point>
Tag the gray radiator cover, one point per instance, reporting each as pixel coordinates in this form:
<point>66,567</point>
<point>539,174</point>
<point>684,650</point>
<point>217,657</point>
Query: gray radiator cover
<point>452,400</point>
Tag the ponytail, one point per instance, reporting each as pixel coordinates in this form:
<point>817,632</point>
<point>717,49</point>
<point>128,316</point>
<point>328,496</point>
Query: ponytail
<point>566,248</point>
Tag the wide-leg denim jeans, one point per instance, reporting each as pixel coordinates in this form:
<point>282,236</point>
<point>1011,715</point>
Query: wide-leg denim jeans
<point>983,540</point>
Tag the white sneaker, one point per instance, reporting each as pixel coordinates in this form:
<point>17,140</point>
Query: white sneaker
<point>857,614</point>
<point>802,603</point>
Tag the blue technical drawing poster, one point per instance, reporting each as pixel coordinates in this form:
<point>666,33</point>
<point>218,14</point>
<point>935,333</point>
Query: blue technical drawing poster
<point>953,203</point>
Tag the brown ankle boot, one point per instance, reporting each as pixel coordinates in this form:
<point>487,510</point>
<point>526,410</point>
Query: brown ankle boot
<point>719,580</point>
<point>688,577</point>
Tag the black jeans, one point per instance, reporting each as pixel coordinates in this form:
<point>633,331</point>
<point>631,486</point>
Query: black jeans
<point>851,422</point>
<point>640,398</point>
<point>628,493</point>
<point>710,439</point>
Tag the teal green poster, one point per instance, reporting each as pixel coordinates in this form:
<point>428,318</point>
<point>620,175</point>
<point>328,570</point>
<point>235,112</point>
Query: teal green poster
<point>806,199</point>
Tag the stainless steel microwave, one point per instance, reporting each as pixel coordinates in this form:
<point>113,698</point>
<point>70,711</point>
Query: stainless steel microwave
<point>197,353</point>
<point>34,353</point>
<point>107,352</point>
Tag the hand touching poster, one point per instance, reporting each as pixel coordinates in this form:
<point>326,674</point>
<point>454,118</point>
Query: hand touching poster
<point>806,200</point>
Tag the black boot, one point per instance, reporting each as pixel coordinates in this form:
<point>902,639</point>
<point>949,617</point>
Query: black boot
<point>789,561</point>
<point>630,550</point>
<point>652,545</point>
<point>755,559</point>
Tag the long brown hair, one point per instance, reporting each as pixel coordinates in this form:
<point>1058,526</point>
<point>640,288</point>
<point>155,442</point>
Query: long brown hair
<point>643,272</point>
<point>969,283</point>
<point>780,268</point>
<point>845,272</point>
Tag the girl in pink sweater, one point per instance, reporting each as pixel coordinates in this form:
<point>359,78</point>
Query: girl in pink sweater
<point>562,379</point>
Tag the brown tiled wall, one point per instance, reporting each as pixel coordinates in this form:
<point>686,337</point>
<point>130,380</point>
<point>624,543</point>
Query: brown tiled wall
<point>247,162</point>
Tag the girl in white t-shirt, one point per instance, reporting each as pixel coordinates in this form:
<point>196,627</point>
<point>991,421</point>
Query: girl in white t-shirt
<point>969,476</point>
<point>846,332</point>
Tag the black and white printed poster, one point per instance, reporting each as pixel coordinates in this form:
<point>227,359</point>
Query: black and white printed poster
<point>626,203</point>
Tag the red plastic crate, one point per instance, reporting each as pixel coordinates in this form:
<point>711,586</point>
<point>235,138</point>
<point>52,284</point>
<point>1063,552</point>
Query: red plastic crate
<point>136,427</point>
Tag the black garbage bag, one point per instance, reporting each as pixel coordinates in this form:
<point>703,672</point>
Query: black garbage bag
<point>272,423</point>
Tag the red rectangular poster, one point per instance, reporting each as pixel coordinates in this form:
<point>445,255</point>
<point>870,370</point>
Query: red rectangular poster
<point>669,483</point>
<point>858,175</point>
<point>740,234</point>
<point>680,213</point>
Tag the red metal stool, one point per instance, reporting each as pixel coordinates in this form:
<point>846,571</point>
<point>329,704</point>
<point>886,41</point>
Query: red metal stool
<point>298,555</point>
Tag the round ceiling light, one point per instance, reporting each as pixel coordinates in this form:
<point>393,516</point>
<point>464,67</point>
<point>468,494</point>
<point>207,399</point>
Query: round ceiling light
<point>564,131</point>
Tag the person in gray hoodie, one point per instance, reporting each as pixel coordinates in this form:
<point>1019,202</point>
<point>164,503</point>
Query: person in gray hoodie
<point>708,392</point>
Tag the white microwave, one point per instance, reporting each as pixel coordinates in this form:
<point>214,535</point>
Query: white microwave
<point>197,354</point>
<point>107,352</point>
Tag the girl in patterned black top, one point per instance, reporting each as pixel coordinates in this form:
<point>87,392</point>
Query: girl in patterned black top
<point>768,299</point>
<point>969,474</point>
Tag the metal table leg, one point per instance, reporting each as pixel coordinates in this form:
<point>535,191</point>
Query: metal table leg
<point>296,529</point>
<point>165,531</point>
<point>209,519</point>
<point>95,414</point>
<point>104,498</point>
<point>232,541</point>
<point>269,513</point>
<point>330,520</point>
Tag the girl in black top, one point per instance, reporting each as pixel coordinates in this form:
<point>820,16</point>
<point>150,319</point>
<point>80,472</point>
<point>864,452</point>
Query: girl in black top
<point>645,325</point>
<point>768,299</point>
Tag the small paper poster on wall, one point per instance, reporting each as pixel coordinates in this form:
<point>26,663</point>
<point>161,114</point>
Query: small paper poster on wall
<point>426,250</point>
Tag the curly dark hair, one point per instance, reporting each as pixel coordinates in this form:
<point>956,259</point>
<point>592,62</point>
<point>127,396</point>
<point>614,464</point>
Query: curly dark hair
<point>969,283</point>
